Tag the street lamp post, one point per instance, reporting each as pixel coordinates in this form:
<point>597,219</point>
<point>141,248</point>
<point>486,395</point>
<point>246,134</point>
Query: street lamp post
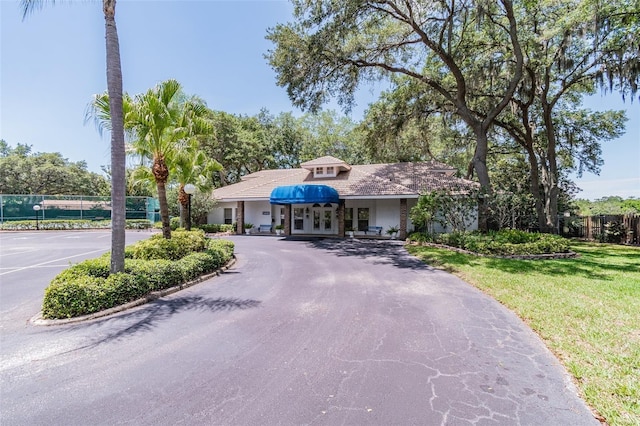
<point>36,208</point>
<point>190,189</point>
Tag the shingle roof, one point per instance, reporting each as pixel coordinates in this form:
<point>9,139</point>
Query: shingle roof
<point>406,180</point>
<point>327,160</point>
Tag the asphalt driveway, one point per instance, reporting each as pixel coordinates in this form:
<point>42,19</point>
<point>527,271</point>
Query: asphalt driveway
<point>297,332</point>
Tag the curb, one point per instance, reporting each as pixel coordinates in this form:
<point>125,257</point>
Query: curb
<point>38,320</point>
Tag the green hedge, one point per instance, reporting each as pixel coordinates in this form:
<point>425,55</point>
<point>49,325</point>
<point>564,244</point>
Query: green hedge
<point>87,287</point>
<point>209,228</point>
<point>506,242</point>
<point>57,224</point>
<point>212,228</point>
<point>181,243</point>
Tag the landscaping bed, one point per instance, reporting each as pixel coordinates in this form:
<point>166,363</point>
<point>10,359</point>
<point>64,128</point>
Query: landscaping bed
<point>150,265</point>
<point>508,243</point>
<point>60,224</point>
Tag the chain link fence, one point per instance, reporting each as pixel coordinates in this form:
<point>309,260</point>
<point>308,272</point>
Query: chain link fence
<point>72,207</point>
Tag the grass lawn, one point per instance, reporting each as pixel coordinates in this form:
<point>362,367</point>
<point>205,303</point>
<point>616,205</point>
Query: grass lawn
<point>587,310</point>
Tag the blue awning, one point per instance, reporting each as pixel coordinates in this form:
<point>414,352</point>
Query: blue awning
<point>304,194</point>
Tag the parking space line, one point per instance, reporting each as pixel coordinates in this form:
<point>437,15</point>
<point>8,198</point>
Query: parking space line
<point>51,261</point>
<point>19,251</point>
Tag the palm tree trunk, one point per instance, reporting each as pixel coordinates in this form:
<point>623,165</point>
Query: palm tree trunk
<point>183,199</point>
<point>164,209</point>
<point>118,165</point>
<point>161,175</point>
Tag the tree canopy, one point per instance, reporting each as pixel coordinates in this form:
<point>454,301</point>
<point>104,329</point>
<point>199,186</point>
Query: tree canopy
<point>25,172</point>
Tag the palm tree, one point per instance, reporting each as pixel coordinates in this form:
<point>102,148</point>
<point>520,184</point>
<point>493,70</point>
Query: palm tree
<point>118,157</point>
<point>193,166</point>
<point>161,126</point>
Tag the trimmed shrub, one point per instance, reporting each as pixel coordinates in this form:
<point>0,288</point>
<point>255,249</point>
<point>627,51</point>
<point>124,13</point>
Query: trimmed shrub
<point>63,224</point>
<point>212,228</point>
<point>137,224</point>
<point>72,296</point>
<point>122,288</point>
<point>159,273</point>
<point>181,243</point>
<point>506,242</point>
<point>196,264</point>
<point>87,287</point>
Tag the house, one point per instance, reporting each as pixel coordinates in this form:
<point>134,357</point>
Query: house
<point>327,196</point>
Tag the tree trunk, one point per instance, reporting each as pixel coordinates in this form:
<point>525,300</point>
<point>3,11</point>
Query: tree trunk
<point>480,166</point>
<point>183,199</point>
<point>164,209</point>
<point>534,183</point>
<point>161,175</point>
<point>550,182</point>
<point>118,164</point>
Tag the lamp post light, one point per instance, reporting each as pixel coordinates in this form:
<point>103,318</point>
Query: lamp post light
<point>36,209</point>
<point>190,189</point>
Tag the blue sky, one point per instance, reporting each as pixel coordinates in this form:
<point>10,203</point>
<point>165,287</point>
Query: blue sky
<point>52,62</point>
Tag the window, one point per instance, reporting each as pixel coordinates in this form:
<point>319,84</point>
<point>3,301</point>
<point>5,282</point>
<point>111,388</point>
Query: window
<point>298,219</point>
<point>319,171</point>
<point>348,218</point>
<point>331,170</point>
<point>363,219</point>
<point>228,216</point>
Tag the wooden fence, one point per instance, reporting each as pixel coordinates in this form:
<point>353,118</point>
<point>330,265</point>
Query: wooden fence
<point>596,227</point>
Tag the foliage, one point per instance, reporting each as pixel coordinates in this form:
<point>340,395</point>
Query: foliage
<point>51,225</point>
<point>88,287</point>
<point>453,207</point>
<point>330,49</point>
<point>248,225</point>
<point>244,145</point>
<point>506,242</point>
<point>212,228</point>
<point>424,214</point>
<point>392,230</point>
<point>25,172</point>
<point>586,309</point>
<point>201,206</point>
<point>401,126</point>
<point>614,232</point>
<point>608,206</point>
<point>181,243</point>
<point>329,134</point>
<point>163,125</point>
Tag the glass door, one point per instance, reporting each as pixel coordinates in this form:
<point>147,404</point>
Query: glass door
<point>323,220</point>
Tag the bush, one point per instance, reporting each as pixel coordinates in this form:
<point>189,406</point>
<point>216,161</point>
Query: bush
<point>614,232</point>
<point>60,224</point>
<point>159,273</point>
<point>137,224</point>
<point>87,287</point>
<point>212,228</point>
<point>506,242</point>
<point>181,243</point>
<point>72,296</point>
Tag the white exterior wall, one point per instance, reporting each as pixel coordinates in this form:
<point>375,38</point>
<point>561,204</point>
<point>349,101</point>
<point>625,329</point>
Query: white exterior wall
<point>383,212</point>
<point>217,214</point>
<point>253,213</point>
<point>387,214</point>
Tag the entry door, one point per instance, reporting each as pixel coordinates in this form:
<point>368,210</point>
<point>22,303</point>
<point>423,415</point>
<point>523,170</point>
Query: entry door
<point>323,220</point>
